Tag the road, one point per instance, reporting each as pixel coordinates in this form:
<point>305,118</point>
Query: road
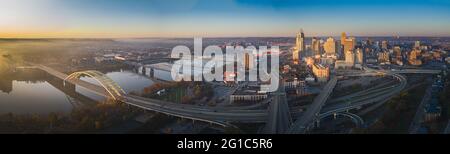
<point>279,119</point>
<point>380,87</point>
<point>447,129</point>
<point>418,117</point>
<point>312,112</point>
<point>376,97</point>
<point>220,116</point>
<point>416,71</point>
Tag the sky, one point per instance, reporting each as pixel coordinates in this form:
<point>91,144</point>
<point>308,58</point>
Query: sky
<point>221,18</point>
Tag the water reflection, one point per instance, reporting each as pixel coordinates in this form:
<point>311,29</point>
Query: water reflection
<point>127,79</point>
<point>31,98</point>
<point>35,92</point>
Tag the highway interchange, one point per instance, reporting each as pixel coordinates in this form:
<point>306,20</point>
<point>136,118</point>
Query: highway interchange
<point>277,115</point>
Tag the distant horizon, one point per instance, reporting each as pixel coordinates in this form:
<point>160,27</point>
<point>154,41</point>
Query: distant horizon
<point>221,18</point>
<point>219,37</point>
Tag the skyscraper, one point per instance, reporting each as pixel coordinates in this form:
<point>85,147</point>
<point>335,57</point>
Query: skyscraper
<point>413,57</point>
<point>300,42</point>
<point>398,52</point>
<point>343,37</point>
<point>383,57</point>
<point>330,47</point>
<point>299,46</point>
<point>359,56</point>
<point>349,57</point>
<point>315,45</point>
<point>348,43</point>
<point>417,45</point>
<point>384,45</point>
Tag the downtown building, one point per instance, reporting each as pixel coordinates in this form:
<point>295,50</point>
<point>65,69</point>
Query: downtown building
<point>413,57</point>
<point>315,47</point>
<point>299,47</point>
<point>383,58</point>
<point>330,47</point>
<point>321,72</point>
<point>349,55</point>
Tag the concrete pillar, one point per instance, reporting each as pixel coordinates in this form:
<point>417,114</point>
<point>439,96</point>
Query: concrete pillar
<point>136,69</point>
<point>152,72</point>
<point>144,70</point>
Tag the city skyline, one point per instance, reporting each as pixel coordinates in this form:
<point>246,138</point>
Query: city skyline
<point>233,18</point>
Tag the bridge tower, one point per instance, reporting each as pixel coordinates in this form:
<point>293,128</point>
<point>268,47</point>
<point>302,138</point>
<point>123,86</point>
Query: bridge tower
<point>112,89</point>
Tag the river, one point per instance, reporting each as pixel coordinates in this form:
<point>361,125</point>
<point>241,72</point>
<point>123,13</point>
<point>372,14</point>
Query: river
<point>30,92</point>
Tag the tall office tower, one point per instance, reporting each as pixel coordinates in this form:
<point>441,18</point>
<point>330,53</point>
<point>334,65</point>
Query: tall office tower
<point>413,60</point>
<point>300,41</point>
<point>398,53</point>
<point>384,45</point>
<point>349,57</point>
<point>295,56</point>
<point>343,38</point>
<point>369,42</point>
<point>359,56</point>
<point>330,47</point>
<point>417,45</point>
<point>349,44</point>
<point>383,57</point>
<point>315,45</point>
<point>299,46</point>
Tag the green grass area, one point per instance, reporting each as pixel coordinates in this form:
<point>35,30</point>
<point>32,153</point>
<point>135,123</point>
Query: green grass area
<point>174,94</point>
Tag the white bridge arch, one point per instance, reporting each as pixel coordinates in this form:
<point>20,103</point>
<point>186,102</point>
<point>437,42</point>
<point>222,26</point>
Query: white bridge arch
<point>114,90</point>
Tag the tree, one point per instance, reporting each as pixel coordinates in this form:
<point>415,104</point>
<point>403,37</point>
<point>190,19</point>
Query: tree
<point>98,125</point>
<point>186,100</point>
<point>53,119</point>
<point>198,91</point>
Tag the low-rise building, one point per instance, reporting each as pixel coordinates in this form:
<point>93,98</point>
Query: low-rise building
<point>342,64</point>
<point>249,94</point>
<point>321,72</point>
<point>413,57</point>
<point>383,57</point>
<point>294,83</point>
<point>432,110</point>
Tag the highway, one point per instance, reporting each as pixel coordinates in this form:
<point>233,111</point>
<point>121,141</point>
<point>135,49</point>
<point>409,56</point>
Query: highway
<point>206,114</point>
<point>416,71</point>
<point>211,116</point>
<point>376,97</point>
<point>353,101</point>
<point>279,119</point>
<point>89,86</point>
<point>312,112</point>
<point>417,120</point>
<point>277,116</point>
<point>447,129</point>
<point>356,119</point>
<point>380,87</point>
